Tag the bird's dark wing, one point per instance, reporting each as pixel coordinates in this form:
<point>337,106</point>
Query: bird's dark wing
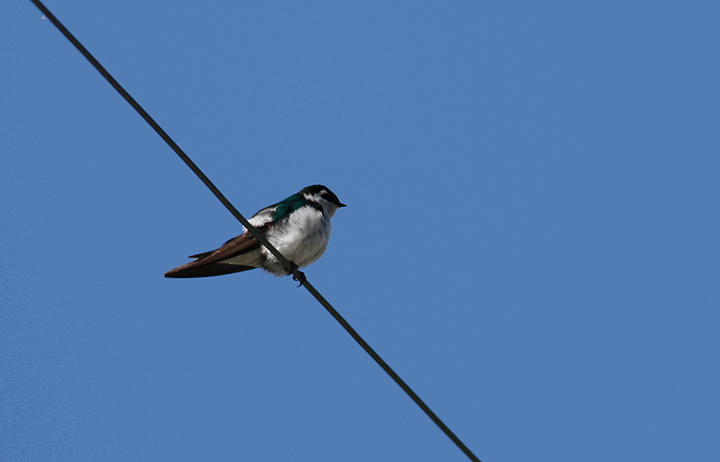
<point>211,263</point>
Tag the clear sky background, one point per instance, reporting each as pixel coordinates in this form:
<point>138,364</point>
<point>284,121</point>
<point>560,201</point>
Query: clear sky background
<point>531,238</point>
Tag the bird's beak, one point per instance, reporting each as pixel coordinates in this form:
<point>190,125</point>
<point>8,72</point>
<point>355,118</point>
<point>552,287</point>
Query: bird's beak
<point>342,205</point>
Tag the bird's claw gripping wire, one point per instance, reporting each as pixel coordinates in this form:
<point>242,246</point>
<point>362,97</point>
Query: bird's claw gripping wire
<point>301,279</point>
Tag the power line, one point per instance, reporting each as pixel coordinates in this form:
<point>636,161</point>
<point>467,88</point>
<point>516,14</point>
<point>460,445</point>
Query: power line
<point>289,267</point>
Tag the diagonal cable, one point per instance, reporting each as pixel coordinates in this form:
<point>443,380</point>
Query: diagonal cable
<point>290,268</point>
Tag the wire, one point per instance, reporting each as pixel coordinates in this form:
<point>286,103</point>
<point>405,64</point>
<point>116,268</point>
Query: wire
<point>289,267</point>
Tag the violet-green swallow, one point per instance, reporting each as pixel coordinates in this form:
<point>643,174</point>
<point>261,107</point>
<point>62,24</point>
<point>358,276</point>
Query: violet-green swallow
<point>299,227</point>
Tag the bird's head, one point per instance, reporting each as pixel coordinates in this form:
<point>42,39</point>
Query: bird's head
<point>323,196</point>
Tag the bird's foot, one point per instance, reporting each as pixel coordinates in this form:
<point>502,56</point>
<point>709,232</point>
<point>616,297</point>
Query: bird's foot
<point>301,276</point>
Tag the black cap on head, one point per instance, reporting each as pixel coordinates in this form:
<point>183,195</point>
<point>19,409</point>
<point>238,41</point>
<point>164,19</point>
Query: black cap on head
<point>324,192</point>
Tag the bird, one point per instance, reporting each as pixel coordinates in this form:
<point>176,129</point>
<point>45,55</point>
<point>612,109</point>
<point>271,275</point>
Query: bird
<point>298,226</point>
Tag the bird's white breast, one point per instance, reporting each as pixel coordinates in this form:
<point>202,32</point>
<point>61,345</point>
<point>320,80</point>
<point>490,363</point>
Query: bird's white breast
<point>302,239</point>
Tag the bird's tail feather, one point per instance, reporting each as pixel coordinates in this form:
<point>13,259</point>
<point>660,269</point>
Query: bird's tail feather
<point>192,270</point>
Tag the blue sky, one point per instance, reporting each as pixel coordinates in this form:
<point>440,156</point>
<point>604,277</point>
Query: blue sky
<point>531,237</point>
